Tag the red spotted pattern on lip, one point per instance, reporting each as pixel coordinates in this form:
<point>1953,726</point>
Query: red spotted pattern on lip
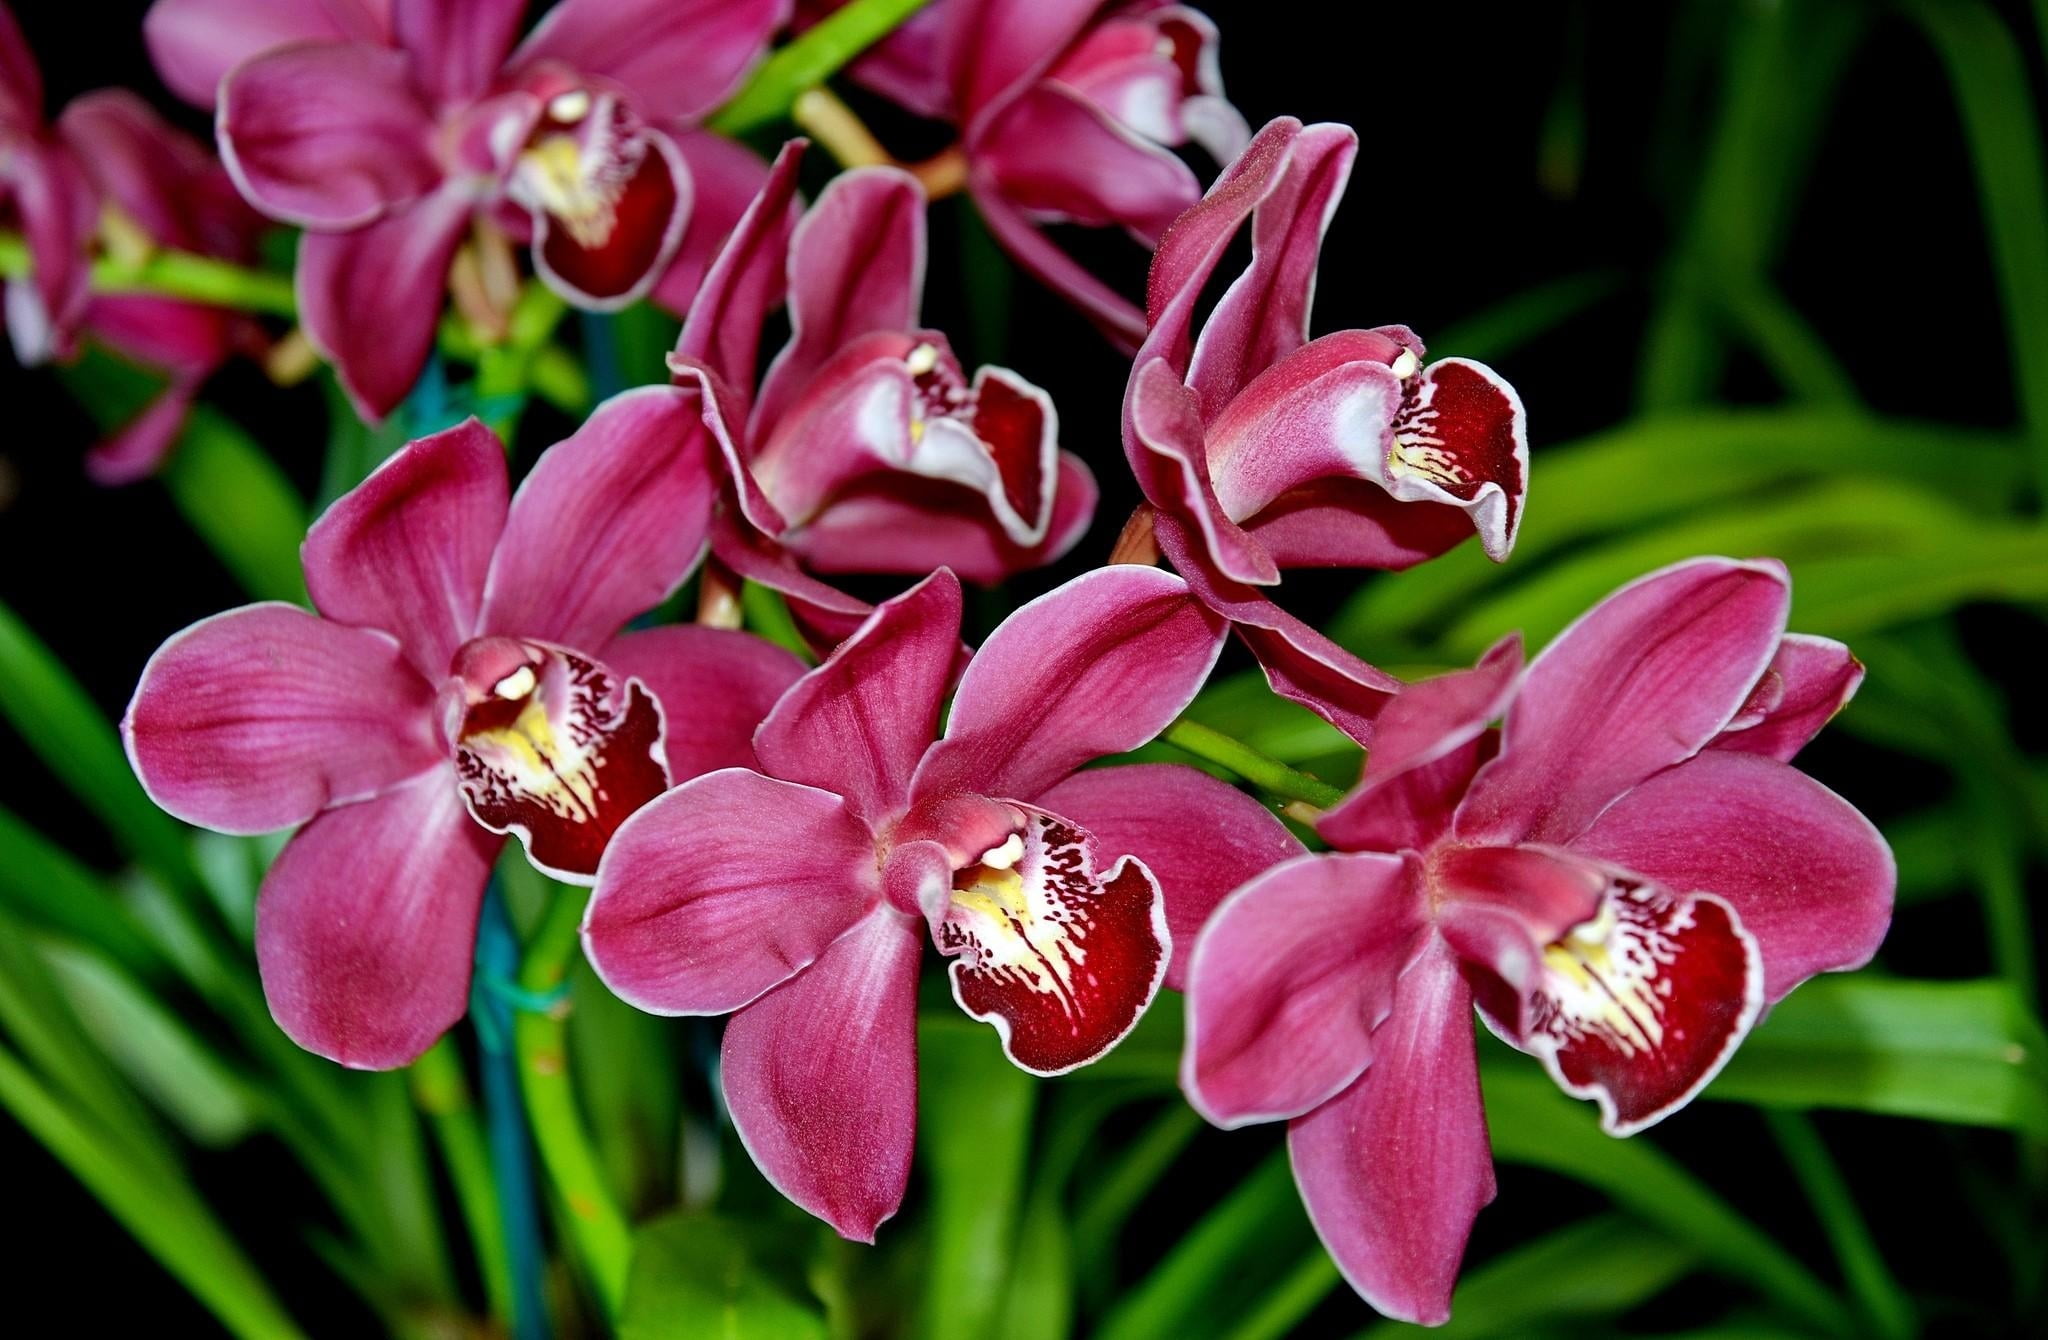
<point>558,753</point>
<point>1062,960</point>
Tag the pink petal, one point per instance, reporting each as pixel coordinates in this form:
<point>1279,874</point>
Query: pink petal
<point>748,278</point>
<point>856,266</point>
<point>1810,679</point>
<point>138,447</point>
<point>259,718</point>
<point>1348,523</point>
<point>196,42</point>
<point>827,615</point>
<point>1095,667</point>
<point>1394,1170</point>
<point>615,259</point>
<point>726,176</point>
<point>1264,315</point>
<point>821,1077</point>
<point>1056,946</point>
<point>714,687</point>
<point>370,299</point>
<point>554,749</point>
<point>679,58</point>
<point>907,66</point>
<point>858,724</point>
<point>723,889</point>
<point>1461,439</point>
<point>994,46</point>
<point>367,924</point>
<point>1301,664</point>
<point>1809,876</point>
<point>1639,682</point>
<point>1168,450</point>
<point>407,549</point>
<point>1119,319</point>
<point>891,523</point>
<point>163,179</point>
<point>1056,155</point>
<point>1200,838</point>
<point>1289,979</point>
<point>327,135</point>
<point>456,48</point>
<point>21,80</point>
<point>53,203</point>
<point>1401,802</point>
<point>608,524</point>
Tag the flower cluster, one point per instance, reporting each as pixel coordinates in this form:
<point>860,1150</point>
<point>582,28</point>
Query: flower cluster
<point>1606,852</point>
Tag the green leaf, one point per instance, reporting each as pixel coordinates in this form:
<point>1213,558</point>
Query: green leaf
<point>42,883</point>
<point>1964,1052</point>
<point>1532,1122</point>
<point>1599,1267</point>
<point>810,60</point>
<point>699,1276</point>
<point>62,727</point>
<point>974,1132</point>
<point>240,503</point>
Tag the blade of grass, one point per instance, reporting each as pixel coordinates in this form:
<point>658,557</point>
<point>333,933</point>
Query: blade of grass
<point>810,60</point>
<point>1885,1307</point>
<point>240,503</point>
<point>974,1129</point>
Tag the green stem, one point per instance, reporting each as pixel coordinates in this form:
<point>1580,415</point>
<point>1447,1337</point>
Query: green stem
<point>174,274</point>
<point>1884,1304</point>
<point>809,61</point>
<point>596,1221</point>
<point>1268,774</point>
<point>442,1092</point>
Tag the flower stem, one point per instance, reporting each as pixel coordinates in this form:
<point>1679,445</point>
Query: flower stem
<point>810,60</point>
<point>1268,774</point>
<point>174,274</point>
<point>596,1222</point>
<point>442,1092</point>
<point>822,116</point>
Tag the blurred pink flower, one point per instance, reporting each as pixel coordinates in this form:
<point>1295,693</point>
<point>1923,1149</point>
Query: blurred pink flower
<point>386,129</point>
<point>466,677</point>
<point>1622,878</point>
<point>798,895</point>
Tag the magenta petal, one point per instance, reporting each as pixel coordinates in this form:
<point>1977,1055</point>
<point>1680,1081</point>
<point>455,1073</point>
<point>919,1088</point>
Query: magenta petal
<point>714,687</point>
<point>1168,450</point>
<point>53,200</point>
<point>1398,803</point>
<point>725,176</point>
<point>1095,667</point>
<point>1809,876</point>
<point>609,522</point>
<point>163,179</point>
<point>856,266</point>
<point>367,923</point>
<point>744,283</point>
<point>1200,838</point>
<point>1301,664</point>
<point>1810,679</point>
<point>859,723</point>
<point>821,1077</point>
<point>1394,1170</point>
<point>196,42</point>
<point>826,614</point>
<point>680,58</point>
<point>456,48</point>
<point>259,718</point>
<point>1119,319</point>
<point>139,446</point>
<point>1058,156</point>
<point>1264,314</point>
<point>1290,978</point>
<point>21,80</point>
<point>1639,682</point>
<point>327,135</point>
<point>407,549</point>
<point>1348,523</point>
<point>629,250</point>
<point>724,888</point>
<point>994,46</point>
<point>370,299</point>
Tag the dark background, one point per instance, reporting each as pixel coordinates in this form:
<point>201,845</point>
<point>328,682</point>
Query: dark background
<point>1503,146</point>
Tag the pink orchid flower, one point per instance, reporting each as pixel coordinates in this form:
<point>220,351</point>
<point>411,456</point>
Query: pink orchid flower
<point>389,129</point>
<point>465,678</point>
<point>1069,112</point>
<point>867,448</point>
<point>113,167</point>
<point>1622,878</point>
<point>1262,450</point>
<point>798,895</point>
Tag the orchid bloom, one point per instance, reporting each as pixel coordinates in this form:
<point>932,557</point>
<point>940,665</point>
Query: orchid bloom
<point>1261,449</point>
<point>390,130</point>
<point>465,678</point>
<point>867,448</point>
<point>113,174</point>
<point>1069,112</point>
<point>1622,878</point>
<point>797,895</point>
